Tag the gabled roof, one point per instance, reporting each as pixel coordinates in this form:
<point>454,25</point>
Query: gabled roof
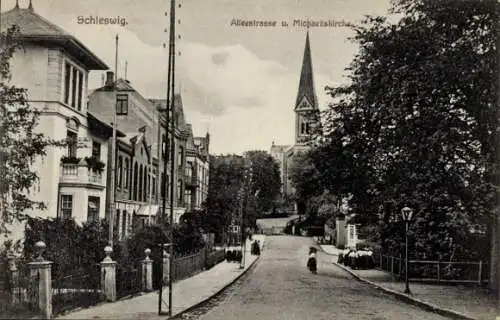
<point>36,29</point>
<point>306,83</point>
<point>178,108</point>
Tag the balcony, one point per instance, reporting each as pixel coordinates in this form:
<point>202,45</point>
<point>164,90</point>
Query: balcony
<point>80,174</point>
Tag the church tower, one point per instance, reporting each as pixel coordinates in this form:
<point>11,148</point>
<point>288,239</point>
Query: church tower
<point>306,105</point>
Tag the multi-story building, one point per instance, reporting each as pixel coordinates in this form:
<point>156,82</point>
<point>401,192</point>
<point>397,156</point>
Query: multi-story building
<point>197,170</point>
<point>53,66</point>
<point>140,159</point>
<point>181,135</point>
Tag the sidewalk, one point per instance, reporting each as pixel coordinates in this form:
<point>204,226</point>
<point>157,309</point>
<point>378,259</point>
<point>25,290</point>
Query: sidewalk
<point>468,301</point>
<point>186,293</point>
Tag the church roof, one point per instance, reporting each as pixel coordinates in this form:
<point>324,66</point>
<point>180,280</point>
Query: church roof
<point>306,84</point>
<point>36,29</point>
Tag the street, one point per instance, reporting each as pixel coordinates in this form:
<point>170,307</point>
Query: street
<point>280,287</point>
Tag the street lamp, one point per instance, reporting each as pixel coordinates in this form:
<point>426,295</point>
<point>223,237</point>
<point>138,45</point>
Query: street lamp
<point>246,184</point>
<point>407,214</point>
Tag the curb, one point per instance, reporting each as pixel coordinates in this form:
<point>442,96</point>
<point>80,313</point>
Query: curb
<point>204,301</point>
<point>406,298</point>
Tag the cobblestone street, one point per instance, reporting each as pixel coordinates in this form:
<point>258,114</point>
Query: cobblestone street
<point>281,287</point>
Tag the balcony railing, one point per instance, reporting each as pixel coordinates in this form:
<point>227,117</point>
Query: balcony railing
<point>75,173</point>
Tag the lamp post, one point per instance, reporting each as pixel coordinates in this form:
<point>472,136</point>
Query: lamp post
<point>407,214</point>
<point>246,184</point>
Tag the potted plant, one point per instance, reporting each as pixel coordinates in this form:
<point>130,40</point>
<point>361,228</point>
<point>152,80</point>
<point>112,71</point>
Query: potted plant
<point>95,164</point>
<point>70,160</point>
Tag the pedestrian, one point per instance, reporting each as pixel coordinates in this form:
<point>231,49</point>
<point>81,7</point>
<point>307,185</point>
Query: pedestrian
<point>311,261</point>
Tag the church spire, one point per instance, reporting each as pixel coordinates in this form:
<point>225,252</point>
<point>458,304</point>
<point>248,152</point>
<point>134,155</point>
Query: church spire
<point>306,84</point>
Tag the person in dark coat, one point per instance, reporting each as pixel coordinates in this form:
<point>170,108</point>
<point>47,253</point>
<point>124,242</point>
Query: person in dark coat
<point>311,261</point>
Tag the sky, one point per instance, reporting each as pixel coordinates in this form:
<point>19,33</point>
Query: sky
<point>238,83</point>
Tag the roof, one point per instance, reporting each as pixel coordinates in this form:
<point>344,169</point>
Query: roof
<point>306,83</point>
<point>121,85</point>
<point>36,29</point>
<point>101,127</point>
<point>178,108</point>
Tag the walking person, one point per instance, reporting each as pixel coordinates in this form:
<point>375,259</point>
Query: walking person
<point>311,261</point>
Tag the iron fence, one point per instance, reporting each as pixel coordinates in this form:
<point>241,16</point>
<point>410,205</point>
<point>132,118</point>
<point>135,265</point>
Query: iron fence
<point>214,258</point>
<point>184,267</point>
<point>128,280</point>
<point>20,291</point>
<point>434,270</point>
<point>81,289</point>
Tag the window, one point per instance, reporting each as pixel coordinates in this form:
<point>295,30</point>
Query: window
<point>139,182</point>
<point>120,172</point>
<point>122,104</point>
<point>145,184</point>
<point>67,81</point>
<point>96,150</point>
<point>93,209</point>
<point>117,220</point>
<point>80,91</point>
<point>134,183</point>
<point>124,223</point>
<point>126,173</point>
<point>181,156</point>
<point>66,206</point>
<point>71,138</point>
<point>179,191</point>
<point>154,186</point>
<point>73,86</point>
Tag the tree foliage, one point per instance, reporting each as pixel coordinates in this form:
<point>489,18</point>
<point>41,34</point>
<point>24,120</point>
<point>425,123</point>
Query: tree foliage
<point>266,179</point>
<point>415,125</point>
<point>225,180</point>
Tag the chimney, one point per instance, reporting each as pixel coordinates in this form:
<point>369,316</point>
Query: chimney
<point>110,78</point>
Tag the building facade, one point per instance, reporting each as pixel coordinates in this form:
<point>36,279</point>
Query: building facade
<point>197,171</point>
<point>141,153</point>
<point>306,118</point>
<point>53,66</point>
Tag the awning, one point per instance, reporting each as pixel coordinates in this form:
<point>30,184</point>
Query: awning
<point>148,210</point>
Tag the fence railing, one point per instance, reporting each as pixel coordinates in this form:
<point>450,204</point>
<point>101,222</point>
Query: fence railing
<point>19,291</point>
<point>435,271</point>
<point>128,281</point>
<point>184,267</point>
<point>24,288</point>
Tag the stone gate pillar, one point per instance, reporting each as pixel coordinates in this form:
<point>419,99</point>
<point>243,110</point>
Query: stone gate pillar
<point>147,272</point>
<point>108,275</point>
<point>41,282</point>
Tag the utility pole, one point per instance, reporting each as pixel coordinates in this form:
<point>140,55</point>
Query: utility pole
<point>172,152</point>
<point>112,184</point>
<point>169,156</point>
<point>496,227</point>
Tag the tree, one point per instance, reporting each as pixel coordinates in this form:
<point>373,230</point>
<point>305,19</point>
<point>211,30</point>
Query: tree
<point>266,179</point>
<point>20,145</point>
<point>416,124</point>
<point>225,181</point>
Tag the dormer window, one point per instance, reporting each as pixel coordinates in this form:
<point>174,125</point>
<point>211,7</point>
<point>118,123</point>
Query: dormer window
<point>73,86</point>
